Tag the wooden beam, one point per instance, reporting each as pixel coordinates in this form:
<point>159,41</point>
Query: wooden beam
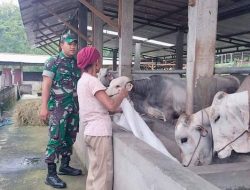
<point>50,41</point>
<point>45,41</point>
<point>179,49</point>
<point>49,15</point>
<point>49,27</point>
<point>83,24</point>
<point>97,25</point>
<point>200,51</point>
<point>137,57</point>
<point>114,65</point>
<point>66,23</point>
<point>44,46</point>
<point>159,18</point>
<point>45,50</point>
<point>126,13</point>
<point>103,17</point>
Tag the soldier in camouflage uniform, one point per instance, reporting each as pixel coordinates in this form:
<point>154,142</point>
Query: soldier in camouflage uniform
<point>60,105</point>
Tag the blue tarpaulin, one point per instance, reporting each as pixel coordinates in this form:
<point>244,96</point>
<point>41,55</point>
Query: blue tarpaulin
<point>6,121</point>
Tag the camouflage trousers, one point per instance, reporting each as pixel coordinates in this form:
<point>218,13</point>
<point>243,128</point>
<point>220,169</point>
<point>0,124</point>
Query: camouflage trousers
<point>63,128</point>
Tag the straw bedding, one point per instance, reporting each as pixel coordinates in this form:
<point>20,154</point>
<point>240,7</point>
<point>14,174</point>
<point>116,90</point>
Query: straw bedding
<point>26,113</point>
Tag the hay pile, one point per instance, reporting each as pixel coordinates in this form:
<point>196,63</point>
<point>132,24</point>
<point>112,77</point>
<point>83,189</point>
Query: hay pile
<point>26,113</point>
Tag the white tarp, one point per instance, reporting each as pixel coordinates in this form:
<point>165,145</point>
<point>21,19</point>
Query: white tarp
<point>132,121</point>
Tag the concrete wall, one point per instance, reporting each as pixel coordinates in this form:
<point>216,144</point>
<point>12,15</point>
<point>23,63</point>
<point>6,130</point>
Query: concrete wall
<point>137,166</point>
<point>36,86</point>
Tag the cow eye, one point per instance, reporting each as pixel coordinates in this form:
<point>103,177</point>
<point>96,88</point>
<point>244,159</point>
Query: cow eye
<point>217,118</point>
<point>117,86</point>
<point>184,140</point>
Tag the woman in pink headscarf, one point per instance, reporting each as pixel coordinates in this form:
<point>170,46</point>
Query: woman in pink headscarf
<point>94,105</point>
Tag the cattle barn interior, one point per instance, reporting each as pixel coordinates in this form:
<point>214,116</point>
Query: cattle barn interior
<point>159,30</point>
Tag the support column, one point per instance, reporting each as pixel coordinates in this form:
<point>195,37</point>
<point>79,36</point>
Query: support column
<point>98,27</point>
<point>179,49</point>
<point>83,24</point>
<point>21,69</point>
<point>126,13</point>
<point>137,56</point>
<point>201,48</point>
<point>115,52</point>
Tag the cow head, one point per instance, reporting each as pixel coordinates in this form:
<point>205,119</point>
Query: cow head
<point>194,138</point>
<point>229,118</point>
<point>117,84</point>
<point>105,76</point>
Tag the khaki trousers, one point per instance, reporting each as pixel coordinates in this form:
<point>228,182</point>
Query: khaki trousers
<point>100,172</point>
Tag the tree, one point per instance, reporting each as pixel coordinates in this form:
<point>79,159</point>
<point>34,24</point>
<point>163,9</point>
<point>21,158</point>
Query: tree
<point>13,38</point>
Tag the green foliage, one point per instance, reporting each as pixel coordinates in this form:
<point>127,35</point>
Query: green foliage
<point>12,34</point>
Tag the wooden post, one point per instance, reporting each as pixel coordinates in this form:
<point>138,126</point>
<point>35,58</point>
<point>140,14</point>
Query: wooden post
<point>83,24</point>
<point>137,56</point>
<point>21,70</point>
<point>98,27</point>
<point>202,24</point>
<point>115,52</point>
<point>126,14</point>
<point>179,49</point>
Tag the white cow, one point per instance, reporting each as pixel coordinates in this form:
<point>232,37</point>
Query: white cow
<point>193,135</point>
<point>131,120</point>
<point>164,97</point>
<point>229,118</point>
<point>228,124</point>
<point>106,75</point>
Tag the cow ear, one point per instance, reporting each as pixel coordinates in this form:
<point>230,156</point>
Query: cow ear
<point>219,96</point>
<point>202,131</point>
<point>129,86</point>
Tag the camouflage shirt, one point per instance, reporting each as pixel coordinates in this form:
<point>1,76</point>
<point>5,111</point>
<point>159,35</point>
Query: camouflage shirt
<point>64,74</point>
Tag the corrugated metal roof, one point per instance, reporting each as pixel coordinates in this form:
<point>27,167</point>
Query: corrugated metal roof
<point>158,20</point>
<point>22,58</point>
<point>10,59</point>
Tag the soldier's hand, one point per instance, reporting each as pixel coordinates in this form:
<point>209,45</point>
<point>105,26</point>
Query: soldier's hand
<point>44,114</point>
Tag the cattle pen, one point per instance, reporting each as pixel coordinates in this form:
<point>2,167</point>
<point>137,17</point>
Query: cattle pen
<point>188,40</point>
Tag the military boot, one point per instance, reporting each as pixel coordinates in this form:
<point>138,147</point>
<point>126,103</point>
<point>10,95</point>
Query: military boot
<point>52,178</point>
<point>65,169</point>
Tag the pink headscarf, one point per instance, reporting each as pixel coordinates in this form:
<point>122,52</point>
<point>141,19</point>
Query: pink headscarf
<point>87,56</point>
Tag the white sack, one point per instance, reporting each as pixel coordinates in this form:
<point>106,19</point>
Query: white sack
<point>132,121</point>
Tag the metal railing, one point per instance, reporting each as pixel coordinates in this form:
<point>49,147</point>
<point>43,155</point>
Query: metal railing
<point>223,70</point>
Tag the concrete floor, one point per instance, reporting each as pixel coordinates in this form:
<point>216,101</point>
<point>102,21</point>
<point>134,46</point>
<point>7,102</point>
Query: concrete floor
<point>22,164</point>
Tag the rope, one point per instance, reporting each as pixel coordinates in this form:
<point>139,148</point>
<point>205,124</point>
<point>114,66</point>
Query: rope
<point>231,141</point>
<point>199,137</point>
<point>194,151</point>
